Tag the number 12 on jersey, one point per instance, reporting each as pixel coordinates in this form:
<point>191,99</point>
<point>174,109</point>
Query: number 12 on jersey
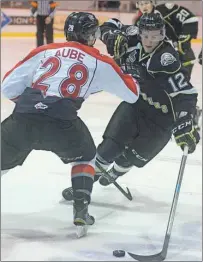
<point>177,82</point>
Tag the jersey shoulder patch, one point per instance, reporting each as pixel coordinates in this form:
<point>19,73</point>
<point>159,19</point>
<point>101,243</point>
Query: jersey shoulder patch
<point>165,60</point>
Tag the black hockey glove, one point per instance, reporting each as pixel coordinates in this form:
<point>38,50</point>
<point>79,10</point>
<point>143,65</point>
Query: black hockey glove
<point>117,44</point>
<point>135,70</point>
<point>186,134</point>
<point>183,43</point>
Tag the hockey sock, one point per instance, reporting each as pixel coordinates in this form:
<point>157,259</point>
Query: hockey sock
<point>120,170</point>
<point>82,177</point>
<point>103,163</point>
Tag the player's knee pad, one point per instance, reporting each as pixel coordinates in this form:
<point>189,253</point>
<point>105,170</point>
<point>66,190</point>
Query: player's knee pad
<point>82,177</point>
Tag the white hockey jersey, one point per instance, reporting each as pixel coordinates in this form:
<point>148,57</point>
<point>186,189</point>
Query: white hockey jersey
<point>55,79</point>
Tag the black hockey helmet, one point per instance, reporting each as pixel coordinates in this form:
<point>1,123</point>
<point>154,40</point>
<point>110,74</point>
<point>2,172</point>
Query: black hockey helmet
<point>152,22</point>
<point>82,27</point>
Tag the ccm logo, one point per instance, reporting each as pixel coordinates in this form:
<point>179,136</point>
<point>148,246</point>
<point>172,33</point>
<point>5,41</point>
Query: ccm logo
<point>181,126</point>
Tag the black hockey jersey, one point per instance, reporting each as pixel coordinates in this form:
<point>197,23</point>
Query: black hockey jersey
<point>181,20</point>
<point>165,86</point>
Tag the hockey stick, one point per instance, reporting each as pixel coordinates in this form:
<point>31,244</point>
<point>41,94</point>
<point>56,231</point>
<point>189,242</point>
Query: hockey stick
<point>162,255</point>
<point>190,62</point>
<point>126,194</point>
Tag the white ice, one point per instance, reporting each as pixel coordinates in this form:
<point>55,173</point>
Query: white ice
<point>37,224</point>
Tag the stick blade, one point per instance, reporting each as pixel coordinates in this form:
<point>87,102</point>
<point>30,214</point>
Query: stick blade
<point>126,194</point>
<point>157,257</point>
<point>129,194</point>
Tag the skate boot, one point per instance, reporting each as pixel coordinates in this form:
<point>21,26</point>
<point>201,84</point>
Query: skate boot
<point>81,218</point>
<point>109,177</point>
<point>67,194</point>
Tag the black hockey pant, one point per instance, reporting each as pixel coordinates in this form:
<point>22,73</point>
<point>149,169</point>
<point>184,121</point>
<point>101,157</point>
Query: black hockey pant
<point>131,139</point>
<point>71,141</point>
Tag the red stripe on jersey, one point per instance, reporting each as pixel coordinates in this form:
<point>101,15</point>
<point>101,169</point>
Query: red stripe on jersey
<point>87,49</point>
<point>83,169</point>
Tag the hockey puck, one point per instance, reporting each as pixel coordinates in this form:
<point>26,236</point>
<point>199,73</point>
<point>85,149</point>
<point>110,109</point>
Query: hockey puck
<point>119,253</point>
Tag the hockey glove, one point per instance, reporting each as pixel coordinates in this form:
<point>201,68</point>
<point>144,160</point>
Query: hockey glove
<point>117,44</point>
<point>183,43</point>
<point>186,134</point>
<point>135,70</point>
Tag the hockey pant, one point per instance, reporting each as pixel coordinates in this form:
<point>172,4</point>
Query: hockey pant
<point>71,141</point>
<point>131,139</point>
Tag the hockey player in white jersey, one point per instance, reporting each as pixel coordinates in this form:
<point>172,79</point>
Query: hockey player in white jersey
<point>49,86</point>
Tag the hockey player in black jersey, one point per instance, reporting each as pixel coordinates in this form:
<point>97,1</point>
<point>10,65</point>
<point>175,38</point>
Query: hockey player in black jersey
<point>136,133</point>
<point>181,27</point>
<point>184,25</point>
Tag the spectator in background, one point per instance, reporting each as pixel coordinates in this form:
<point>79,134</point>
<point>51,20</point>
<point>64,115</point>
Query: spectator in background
<point>45,11</point>
<point>109,4</point>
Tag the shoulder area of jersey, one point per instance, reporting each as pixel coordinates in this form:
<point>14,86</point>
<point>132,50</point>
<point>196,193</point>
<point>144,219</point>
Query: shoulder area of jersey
<point>85,48</point>
<point>165,60</point>
<point>169,5</point>
<point>169,55</point>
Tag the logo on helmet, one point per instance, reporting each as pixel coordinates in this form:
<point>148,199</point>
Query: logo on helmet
<point>70,28</point>
<point>167,59</point>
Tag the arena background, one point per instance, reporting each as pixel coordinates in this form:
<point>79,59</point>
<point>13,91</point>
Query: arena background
<point>20,25</point>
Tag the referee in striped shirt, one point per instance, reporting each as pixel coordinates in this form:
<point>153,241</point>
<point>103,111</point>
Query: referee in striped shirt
<point>45,19</point>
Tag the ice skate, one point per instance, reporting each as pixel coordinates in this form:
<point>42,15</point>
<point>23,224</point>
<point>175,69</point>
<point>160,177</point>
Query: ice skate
<point>82,219</point>
<point>109,177</point>
<point>68,194</point>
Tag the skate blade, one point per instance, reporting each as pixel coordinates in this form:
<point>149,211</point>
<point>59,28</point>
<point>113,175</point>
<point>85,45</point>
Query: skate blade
<point>81,231</point>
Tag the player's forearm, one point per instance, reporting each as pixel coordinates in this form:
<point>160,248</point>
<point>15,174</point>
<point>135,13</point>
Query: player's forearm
<point>190,29</point>
<point>184,103</point>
